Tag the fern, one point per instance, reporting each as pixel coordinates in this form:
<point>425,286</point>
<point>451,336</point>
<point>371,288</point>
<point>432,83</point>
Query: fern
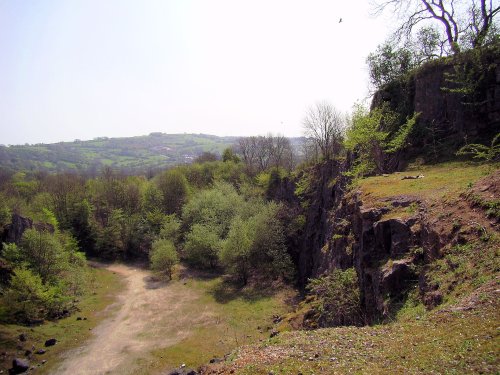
<point>482,152</point>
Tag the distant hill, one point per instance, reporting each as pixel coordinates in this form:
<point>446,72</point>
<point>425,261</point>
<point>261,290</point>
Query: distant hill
<point>130,154</point>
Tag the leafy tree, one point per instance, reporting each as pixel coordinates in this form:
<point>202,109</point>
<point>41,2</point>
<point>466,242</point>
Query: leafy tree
<point>269,253</point>
<point>375,134</point>
<point>174,188</point>
<point>44,254</point>
<point>110,242</point>
<point>236,250</point>
<point>153,198</point>
<point>202,246</point>
<point>170,229</point>
<point>163,257</point>
<point>213,208</point>
<point>388,63</point>
<point>26,296</point>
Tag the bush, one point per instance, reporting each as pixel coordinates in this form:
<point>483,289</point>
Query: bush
<point>163,257</point>
<point>43,253</point>
<point>202,246</point>
<point>28,298</point>
<point>337,299</point>
<point>236,251</point>
<point>174,188</point>
<point>214,207</point>
<point>170,228</point>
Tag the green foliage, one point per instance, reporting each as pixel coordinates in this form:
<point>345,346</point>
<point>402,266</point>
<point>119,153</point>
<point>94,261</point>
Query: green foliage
<point>163,257</point>
<point>174,188</point>
<point>110,242</point>
<point>337,299</point>
<point>170,229</point>
<point>49,217</point>
<point>473,72</point>
<point>27,296</point>
<point>5,212</point>
<point>214,208</point>
<point>374,134</point>
<point>43,253</point>
<point>482,152</point>
<point>236,251</point>
<point>269,252</point>
<point>12,254</point>
<point>152,198</point>
<point>229,155</point>
<point>202,246</point>
<point>400,138</point>
<point>256,243</point>
<point>389,63</point>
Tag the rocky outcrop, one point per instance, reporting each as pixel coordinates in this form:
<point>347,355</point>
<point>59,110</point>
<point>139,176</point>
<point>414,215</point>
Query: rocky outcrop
<point>13,232</point>
<point>450,115</point>
<point>388,251</point>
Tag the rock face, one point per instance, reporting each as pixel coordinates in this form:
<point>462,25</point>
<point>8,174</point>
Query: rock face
<point>14,231</point>
<point>16,228</point>
<point>447,119</point>
<point>387,252</point>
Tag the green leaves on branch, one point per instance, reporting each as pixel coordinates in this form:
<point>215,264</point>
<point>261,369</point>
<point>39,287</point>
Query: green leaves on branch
<point>375,134</point>
<point>482,152</point>
<point>337,298</point>
<point>163,257</point>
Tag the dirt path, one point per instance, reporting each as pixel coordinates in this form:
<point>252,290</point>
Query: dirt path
<point>147,315</point>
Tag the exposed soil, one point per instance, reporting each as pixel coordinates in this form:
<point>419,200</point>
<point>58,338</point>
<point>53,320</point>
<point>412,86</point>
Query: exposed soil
<point>148,314</point>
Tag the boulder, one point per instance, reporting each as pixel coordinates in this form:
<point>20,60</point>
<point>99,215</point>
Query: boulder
<point>50,342</point>
<point>19,366</point>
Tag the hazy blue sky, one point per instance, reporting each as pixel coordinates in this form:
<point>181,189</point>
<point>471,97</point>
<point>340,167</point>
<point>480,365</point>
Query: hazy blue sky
<point>82,69</point>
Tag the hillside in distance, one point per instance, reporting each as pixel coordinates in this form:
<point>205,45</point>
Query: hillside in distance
<point>128,154</point>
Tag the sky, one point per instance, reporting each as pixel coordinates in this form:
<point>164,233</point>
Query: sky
<point>80,69</point>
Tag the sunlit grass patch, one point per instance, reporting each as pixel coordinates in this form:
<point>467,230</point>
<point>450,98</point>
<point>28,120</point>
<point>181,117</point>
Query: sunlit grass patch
<point>439,181</point>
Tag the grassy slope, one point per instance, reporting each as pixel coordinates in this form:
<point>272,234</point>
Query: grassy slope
<point>459,336</point>
<point>69,332</point>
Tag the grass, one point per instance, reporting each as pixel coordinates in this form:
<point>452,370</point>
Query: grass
<point>237,317</point>
<point>69,332</point>
<point>465,342</point>
<point>440,181</point>
<point>460,336</point>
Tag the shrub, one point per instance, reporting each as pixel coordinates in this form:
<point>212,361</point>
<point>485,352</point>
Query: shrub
<point>202,246</point>
<point>28,298</point>
<point>170,228</point>
<point>337,299</point>
<point>214,207</point>
<point>482,152</point>
<point>163,257</point>
<point>174,188</point>
<point>235,253</point>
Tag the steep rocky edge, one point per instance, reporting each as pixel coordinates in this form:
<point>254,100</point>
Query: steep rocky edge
<point>426,254</point>
<point>391,239</point>
<point>458,101</point>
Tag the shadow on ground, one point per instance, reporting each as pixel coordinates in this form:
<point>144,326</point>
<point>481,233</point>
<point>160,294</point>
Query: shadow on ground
<point>228,290</point>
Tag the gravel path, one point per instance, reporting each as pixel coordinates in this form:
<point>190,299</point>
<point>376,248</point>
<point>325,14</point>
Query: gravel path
<point>148,314</point>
